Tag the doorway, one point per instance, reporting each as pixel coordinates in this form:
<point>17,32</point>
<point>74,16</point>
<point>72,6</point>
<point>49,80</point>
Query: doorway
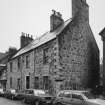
<point>27,82</point>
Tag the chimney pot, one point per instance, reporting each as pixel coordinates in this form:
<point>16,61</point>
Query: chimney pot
<point>31,37</point>
<point>28,35</point>
<point>59,14</point>
<point>53,11</point>
<point>23,34</point>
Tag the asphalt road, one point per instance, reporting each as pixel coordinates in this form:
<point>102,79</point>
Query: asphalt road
<point>4,101</point>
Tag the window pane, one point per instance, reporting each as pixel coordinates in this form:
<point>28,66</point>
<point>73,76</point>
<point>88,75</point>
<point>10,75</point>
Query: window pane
<point>27,82</point>
<point>36,83</point>
<point>75,96</point>
<point>45,56</point>
<point>27,61</point>
<point>61,95</point>
<point>18,83</point>
<point>45,82</point>
<point>18,63</point>
<point>11,66</point>
<point>10,82</point>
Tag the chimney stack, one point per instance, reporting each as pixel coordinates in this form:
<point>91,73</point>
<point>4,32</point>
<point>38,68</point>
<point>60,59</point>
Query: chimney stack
<point>81,7</point>
<point>55,20</point>
<point>25,39</point>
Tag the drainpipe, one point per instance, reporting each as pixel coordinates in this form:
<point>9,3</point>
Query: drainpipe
<point>34,67</point>
<point>21,60</point>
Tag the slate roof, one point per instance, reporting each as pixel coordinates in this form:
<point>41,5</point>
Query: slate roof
<point>43,39</point>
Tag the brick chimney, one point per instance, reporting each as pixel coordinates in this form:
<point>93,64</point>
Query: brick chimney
<point>11,51</point>
<point>55,20</point>
<point>25,39</point>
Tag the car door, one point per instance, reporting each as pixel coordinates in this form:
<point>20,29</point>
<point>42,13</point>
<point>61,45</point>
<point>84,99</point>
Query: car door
<point>77,99</point>
<point>31,96</point>
<point>27,96</point>
<point>65,98</point>
<point>60,97</point>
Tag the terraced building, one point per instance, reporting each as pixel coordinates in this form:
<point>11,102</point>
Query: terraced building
<point>66,57</point>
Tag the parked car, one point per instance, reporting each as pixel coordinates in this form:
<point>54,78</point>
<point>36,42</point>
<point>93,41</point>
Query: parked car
<point>72,97</point>
<point>45,99</point>
<point>37,97</point>
<point>1,92</point>
<point>19,95</point>
<point>10,93</point>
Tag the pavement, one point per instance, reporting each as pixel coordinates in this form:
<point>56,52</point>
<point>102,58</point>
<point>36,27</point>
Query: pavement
<point>4,101</point>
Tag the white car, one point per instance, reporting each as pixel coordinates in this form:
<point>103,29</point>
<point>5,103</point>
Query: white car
<point>1,91</point>
<point>10,93</point>
<point>73,97</point>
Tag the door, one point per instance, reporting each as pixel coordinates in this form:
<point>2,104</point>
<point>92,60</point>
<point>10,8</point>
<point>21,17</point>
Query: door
<point>65,98</point>
<point>77,100</point>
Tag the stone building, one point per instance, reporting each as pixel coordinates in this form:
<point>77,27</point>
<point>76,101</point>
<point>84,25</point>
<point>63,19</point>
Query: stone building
<point>2,69</point>
<point>66,57</point>
<point>4,57</point>
<point>3,77</point>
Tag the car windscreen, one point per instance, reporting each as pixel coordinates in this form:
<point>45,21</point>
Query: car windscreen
<point>29,91</point>
<point>65,94</point>
<point>77,96</point>
<point>12,91</point>
<point>39,92</point>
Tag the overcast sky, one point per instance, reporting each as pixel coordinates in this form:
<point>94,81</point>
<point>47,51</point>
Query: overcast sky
<point>33,17</point>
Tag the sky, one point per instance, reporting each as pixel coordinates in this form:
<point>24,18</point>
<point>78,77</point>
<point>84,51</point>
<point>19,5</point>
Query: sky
<point>33,17</point>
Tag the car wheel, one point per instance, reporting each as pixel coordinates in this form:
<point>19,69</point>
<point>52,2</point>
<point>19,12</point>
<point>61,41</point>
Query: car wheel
<point>12,97</point>
<point>58,103</point>
<point>37,103</point>
<point>24,100</point>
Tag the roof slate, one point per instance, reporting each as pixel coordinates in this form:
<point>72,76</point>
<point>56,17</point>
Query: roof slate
<point>43,39</point>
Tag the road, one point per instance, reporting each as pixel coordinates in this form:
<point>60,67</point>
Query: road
<point>4,101</point>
